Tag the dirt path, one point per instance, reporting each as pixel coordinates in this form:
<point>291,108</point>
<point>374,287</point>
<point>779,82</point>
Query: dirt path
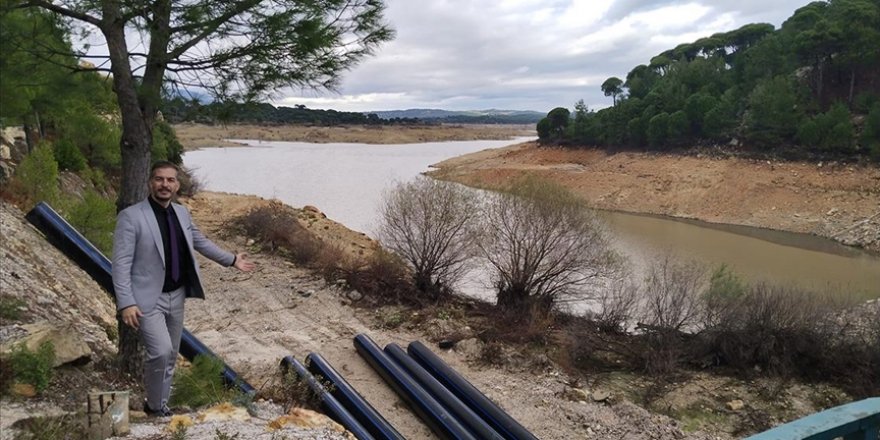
<point>252,320</point>
<point>830,200</point>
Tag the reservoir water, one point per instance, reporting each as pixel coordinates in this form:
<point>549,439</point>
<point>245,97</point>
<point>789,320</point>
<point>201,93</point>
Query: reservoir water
<point>346,182</point>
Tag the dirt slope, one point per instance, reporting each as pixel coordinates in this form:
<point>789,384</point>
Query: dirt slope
<point>830,200</point>
<point>252,320</point>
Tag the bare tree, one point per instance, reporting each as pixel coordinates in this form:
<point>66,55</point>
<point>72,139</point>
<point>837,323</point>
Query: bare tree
<point>430,223</point>
<point>543,244</point>
<point>672,296</point>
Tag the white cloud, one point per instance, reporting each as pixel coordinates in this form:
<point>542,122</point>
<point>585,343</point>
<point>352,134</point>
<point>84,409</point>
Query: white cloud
<point>525,54</point>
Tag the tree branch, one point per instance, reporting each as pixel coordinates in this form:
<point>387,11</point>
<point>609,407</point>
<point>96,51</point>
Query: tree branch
<point>63,11</point>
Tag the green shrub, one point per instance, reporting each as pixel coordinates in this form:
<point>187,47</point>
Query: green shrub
<point>808,134</point>
<point>871,133</point>
<point>95,218</point>
<point>38,175</point>
<point>34,368</point>
<point>165,143</point>
<point>10,308</point>
<point>201,384</point>
<point>658,128</point>
<point>68,156</point>
<point>678,127</point>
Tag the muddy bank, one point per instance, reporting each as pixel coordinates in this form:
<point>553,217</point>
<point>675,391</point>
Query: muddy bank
<point>194,136</point>
<point>838,201</point>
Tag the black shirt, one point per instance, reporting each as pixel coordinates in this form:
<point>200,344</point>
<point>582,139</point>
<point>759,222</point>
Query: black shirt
<point>185,259</point>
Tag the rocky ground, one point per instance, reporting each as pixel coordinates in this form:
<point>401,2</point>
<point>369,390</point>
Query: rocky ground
<point>835,200</point>
<point>252,320</point>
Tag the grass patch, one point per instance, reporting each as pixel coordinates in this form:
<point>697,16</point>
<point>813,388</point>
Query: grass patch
<point>33,367</point>
<point>202,384</point>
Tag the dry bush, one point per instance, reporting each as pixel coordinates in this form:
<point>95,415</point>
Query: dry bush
<point>618,306</point>
<point>382,277</point>
<point>190,185</point>
<point>431,224</point>
<point>671,309</point>
<point>289,390</point>
<point>543,245</point>
<point>791,332</point>
<point>278,229</point>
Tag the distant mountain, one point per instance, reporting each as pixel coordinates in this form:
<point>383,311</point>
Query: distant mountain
<point>491,116</point>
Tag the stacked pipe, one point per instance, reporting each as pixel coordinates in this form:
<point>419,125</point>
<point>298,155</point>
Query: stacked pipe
<point>330,404</point>
<point>351,400</point>
<point>67,239</point>
<point>446,401</point>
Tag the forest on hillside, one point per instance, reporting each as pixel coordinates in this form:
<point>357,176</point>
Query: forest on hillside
<point>810,89</point>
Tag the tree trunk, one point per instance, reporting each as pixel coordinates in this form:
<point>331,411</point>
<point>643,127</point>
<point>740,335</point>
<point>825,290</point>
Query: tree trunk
<point>135,148</point>
<point>852,85</point>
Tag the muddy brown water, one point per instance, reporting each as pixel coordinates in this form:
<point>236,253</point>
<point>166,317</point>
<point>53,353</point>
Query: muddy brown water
<point>346,182</point>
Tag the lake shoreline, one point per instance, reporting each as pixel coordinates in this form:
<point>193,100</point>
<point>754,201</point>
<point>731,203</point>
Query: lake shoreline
<point>197,136</point>
<point>835,201</point>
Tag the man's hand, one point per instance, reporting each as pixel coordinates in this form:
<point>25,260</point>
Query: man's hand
<point>242,263</point>
<point>130,316</point>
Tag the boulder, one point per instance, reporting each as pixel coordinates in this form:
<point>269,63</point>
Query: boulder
<point>471,348</point>
<point>69,346</point>
<point>736,405</point>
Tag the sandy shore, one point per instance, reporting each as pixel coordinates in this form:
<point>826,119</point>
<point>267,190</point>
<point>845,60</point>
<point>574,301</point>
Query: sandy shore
<point>839,201</point>
<point>194,136</point>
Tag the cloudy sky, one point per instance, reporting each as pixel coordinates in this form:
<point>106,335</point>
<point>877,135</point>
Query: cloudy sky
<point>524,54</point>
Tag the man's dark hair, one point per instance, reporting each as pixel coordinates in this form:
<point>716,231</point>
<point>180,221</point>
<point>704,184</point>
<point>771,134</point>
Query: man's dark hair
<point>163,164</point>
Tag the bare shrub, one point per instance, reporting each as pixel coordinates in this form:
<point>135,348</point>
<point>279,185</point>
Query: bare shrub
<point>190,185</point>
<point>278,229</point>
<point>543,244</point>
<point>671,308</point>
<point>671,297</point>
<point>618,306</point>
<point>382,277</point>
<point>430,223</point>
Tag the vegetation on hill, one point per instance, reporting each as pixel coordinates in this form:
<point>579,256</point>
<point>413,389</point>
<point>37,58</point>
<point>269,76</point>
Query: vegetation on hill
<point>177,110</point>
<point>808,89</point>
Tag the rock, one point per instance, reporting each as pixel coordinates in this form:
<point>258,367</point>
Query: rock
<point>446,344</point>
<point>354,295</point>
<point>832,211</point>
<point>24,390</point>
<point>178,422</point>
<point>470,348</point>
<point>576,395</point>
<point>69,347</point>
<point>250,242</point>
<point>736,405</point>
<point>5,153</point>
<point>6,171</point>
<point>600,395</point>
<point>305,418</point>
<point>224,411</point>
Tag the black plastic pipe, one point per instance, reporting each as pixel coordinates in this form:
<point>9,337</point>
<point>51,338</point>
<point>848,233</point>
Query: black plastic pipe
<point>441,421</point>
<point>470,395</point>
<point>329,403</point>
<point>471,420</point>
<point>71,243</point>
<point>351,400</point>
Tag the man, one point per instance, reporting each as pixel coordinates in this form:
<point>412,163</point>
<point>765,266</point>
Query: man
<point>154,270</point>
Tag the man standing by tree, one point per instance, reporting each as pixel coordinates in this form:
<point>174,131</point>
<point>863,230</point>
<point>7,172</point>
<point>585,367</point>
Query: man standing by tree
<point>238,50</point>
<point>154,270</point>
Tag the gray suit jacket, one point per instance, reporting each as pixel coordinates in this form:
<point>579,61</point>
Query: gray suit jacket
<point>139,256</point>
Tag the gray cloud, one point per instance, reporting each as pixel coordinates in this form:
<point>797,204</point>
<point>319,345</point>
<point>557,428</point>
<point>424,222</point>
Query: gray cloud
<point>527,54</point>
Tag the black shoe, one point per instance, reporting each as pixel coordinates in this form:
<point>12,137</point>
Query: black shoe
<point>161,412</point>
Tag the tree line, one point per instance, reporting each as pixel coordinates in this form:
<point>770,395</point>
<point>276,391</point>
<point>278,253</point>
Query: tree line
<point>177,110</point>
<point>808,89</point>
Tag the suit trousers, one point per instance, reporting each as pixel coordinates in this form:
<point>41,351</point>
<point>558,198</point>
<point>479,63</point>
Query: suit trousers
<point>160,331</point>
